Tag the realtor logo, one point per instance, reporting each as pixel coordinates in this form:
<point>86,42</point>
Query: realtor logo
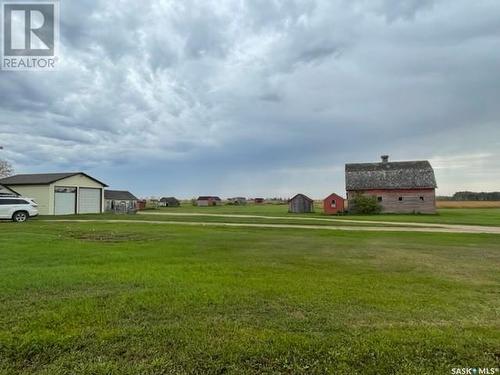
<point>30,35</point>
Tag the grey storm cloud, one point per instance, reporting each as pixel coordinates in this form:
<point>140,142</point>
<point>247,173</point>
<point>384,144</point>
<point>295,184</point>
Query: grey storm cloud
<point>261,97</point>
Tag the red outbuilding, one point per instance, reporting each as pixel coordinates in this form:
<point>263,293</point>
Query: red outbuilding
<point>141,204</point>
<point>333,204</point>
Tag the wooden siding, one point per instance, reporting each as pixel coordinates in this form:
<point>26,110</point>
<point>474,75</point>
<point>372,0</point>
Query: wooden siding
<point>412,200</point>
<point>300,204</point>
<point>333,204</point>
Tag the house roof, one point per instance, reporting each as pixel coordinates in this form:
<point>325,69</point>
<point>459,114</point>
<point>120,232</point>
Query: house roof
<point>42,178</point>
<point>169,199</point>
<point>119,195</point>
<point>4,190</point>
<point>206,198</point>
<point>303,196</point>
<point>390,175</point>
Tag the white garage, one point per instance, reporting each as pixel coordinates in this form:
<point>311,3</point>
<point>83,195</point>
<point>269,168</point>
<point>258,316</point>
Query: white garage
<point>60,193</point>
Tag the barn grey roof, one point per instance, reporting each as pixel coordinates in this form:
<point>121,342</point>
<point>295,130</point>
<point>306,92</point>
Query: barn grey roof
<point>119,195</point>
<point>390,175</point>
<point>41,178</point>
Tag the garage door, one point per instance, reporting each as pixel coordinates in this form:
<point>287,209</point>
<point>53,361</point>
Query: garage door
<point>90,201</point>
<point>65,201</point>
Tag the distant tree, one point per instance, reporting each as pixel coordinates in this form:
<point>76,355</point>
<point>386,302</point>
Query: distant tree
<point>6,169</point>
<point>473,196</point>
<point>364,204</point>
<point>444,198</point>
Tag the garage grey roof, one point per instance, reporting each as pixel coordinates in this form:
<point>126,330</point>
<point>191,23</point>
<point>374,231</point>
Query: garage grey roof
<point>390,175</point>
<point>119,195</point>
<point>41,178</point>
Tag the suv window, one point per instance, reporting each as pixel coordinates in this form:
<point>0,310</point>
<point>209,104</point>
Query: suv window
<point>5,202</point>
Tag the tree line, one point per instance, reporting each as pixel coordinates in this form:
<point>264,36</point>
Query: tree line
<point>472,196</point>
<point>6,169</point>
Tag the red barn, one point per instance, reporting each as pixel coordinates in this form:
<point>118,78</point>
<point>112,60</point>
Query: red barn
<point>333,204</point>
<point>400,187</point>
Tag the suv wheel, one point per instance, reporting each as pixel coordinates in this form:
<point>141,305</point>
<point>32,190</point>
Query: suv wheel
<point>20,216</point>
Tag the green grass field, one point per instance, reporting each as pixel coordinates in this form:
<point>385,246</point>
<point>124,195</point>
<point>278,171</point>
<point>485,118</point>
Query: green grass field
<point>466,216</point>
<point>97,298</point>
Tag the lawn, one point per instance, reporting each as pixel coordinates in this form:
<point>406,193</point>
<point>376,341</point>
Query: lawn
<point>169,216</point>
<point>96,298</point>
<point>466,216</point>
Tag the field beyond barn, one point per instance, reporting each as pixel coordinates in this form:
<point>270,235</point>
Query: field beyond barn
<point>468,204</point>
<point>139,298</point>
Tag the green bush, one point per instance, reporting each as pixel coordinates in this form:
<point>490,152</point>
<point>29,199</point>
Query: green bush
<point>364,204</point>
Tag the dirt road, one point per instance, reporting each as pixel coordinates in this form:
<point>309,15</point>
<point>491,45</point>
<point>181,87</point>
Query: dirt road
<point>455,227</point>
<point>433,229</point>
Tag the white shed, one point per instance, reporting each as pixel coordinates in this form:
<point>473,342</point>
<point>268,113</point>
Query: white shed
<point>60,193</point>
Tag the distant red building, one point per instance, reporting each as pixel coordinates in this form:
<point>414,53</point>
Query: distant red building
<point>141,204</point>
<point>333,204</point>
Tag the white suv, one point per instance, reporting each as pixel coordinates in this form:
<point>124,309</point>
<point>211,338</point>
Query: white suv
<point>17,209</point>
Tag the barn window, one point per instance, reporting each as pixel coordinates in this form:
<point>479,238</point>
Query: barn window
<point>422,199</point>
<point>379,199</point>
<point>400,199</point>
<point>334,204</point>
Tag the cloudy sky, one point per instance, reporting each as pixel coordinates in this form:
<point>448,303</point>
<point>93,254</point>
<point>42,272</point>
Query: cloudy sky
<point>261,97</point>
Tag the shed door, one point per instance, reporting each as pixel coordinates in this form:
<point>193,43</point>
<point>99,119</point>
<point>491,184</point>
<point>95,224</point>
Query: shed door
<point>90,201</point>
<point>65,201</point>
